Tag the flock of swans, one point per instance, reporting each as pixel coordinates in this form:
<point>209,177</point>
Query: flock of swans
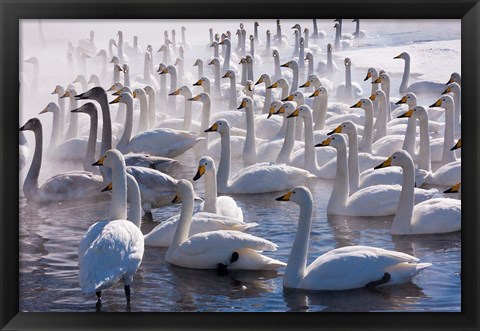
<point>283,126</point>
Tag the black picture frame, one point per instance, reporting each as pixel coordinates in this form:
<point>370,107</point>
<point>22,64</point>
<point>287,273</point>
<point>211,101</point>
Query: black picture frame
<point>11,11</point>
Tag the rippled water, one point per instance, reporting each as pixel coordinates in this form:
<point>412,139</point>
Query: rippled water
<point>49,235</point>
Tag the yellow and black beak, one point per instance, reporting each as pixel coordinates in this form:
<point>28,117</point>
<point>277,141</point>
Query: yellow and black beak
<point>372,97</point>
<point>177,199</point>
<point>307,84</point>
<point>285,197</point>
<point>164,71</point>
<point>386,163</point>
<point>198,83</point>
<point>134,94</point>
<point>280,110</point>
<point>213,128</point>
<point>369,75</point>
<point>195,98</point>
<point>314,94</point>
<point>450,81</point>
<point>286,65</point>
<point>177,92</point>
<point>457,145</point>
<point>377,81</point>
<point>66,94</point>
<point>447,90</point>
<point>399,56</point>
<point>454,189</point>
<point>44,110</point>
<point>274,85</point>
<point>338,129</point>
<point>401,101</point>
<point>99,162</point>
<point>295,113</point>
<point>112,88</point>
<point>225,76</point>
<point>242,105</point>
<point>55,91</point>
<point>357,105</point>
<point>117,92</point>
<point>437,103</point>
<point>116,100</point>
<point>107,188</point>
<point>259,81</point>
<point>200,172</point>
<point>289,98</point>
<point>409,113</point>
<point>271,111</point>
<point>324,143</point>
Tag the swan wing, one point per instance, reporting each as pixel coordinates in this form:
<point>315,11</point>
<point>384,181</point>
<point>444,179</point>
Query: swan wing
<point>439,215</point>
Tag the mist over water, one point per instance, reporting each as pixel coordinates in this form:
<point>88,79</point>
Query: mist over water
<point>50,234</point>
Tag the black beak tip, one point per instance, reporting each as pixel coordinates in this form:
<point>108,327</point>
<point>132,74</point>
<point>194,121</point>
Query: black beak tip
<point>330,133</point>
<point>379,166</point>
<point>279,199</point>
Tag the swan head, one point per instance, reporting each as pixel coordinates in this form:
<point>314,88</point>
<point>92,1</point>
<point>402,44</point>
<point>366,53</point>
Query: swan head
<point>454,78</point>
<point>95,93</point>
<point>275,53</point>
<point>115,60</point>
<point>201,81</point>
<point>274,107</point>
<point>457,145</point>
<point>355,20</point>
<point>305,31</point>
<point>138,92</point>
<point>182,90</point>
<point>115,87</point>
<point>347,127</point>
<point>309,56</point>
<point>124,97</point>
<point>220,126</point>
<point>229,74</point>
<point>454,189</point>
<point>92,79</point>
<point>87,108</point>
<point>58,90</point>
<point>251,38</point>
<point>268,32</point>
<point>215,61</point>
<point>290,64</point>
<point>198,62</point>
<point>383,78</point>
<point>248,58</point>
<point>417,112</point>
<point>363,103</point>
<point>410,98</point>
<point>298,195</point>
<point>329,48</point>
<point>79,79</point>
<point>302,111</point>
<point>110,158</point>
<point>263,78</point>
<point>321,91</point>
<point>255,24</point>
<point>117,68</point>
<point>225,41</point>
<point>371,72</point>
<point>125,68</point>
<point>51,107</point>
<point>311,79</point>
<point>378,95</point>
<point>32,125</point>
<point>162,48</point>
<point>452,88</point>
<point>217,38</point>
<point>69,93</point>
<point>102,53</point>
<point>302,41</point>
<point>113,42</point>
<point>202,97</point>
<point>125,89</point>
<point>294,96</point>
<point>336,26</point>
<point>287,108</point>
<point>404,56</point>
<point>446,101</point>
<point>399,158</point>
<point>184,28</point>
<point>347,62</point>
<point>214,44</point>
<point>205,164</point>
<point>241,26</point>
<point>336,140</point>
<point>246,103</point>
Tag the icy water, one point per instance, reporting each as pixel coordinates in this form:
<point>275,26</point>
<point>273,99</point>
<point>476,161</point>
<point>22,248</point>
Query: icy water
<point>49,234</point>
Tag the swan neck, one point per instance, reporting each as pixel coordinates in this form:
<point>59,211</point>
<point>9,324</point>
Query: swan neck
<point>288,143</point>
<point>183,226</point>
<point>367,137</point>
<point>152,101</point>
<point>210,192</point>
<point>340,192</point>
<point>250,148</point>
<point>310,154</point>
<point>403,216</point>
<point>91,144</point>
<point>30,186</point>
<point>353,167</point>
<point>107,125</point>
<point>135,208</point>
<point>320,104</point>
<point>119,191</point>
<point>449,135</point>
<point>223,173</point>
<point>127,130</point>
<point>187,119</point>
<point>144,113</point>
<point>424,161</point>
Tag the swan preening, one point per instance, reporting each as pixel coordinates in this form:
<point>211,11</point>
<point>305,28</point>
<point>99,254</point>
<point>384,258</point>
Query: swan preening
<point>190,119</point>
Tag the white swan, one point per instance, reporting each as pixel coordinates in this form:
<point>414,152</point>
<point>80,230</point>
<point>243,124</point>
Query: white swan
<point>215,249</point>
<point>73,185</point>
<point>112,250</point>
<point>438,215</point>
<point>378,200</point>
<point>160,142</point>
<point>421,87</point>
<point>328,67</point>
<point>221,205</point>
<point>348,90</point>
<point>343,268</point>
<point>258,178</point>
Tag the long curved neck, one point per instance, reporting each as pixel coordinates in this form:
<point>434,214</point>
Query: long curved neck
<point>367,137</point>
<point>410,134</point>
<point>297,262</point>
<point>118,209</point>
<point>146,70</point>
<point>205,121</point>
<point>173,86</point>
<point>403,216</point>
<point>187,118</point>
<point>278,70</point>
<point>284,88</point>
<point>353,168</point>
<point>268,95</point>
<point>250,70</point>
<point>215,50</point>
<point>104,67</point>
<point>457,99</point>
<point>210,205</point>
<point>340,192</point>
<point>30,186</point>
<point>144,113</point>
<point>315,28</point>
<point>183,227</point>
<point>250,148</point>
<point>106,126</point>
<point>310,154</point>
<point>223,173</point>
<point>200,70</point>
<point>135,208</point>
<point>57,129</point>
<point>310,67</point>
<point>348,82</point>
<point>184,41</point>
<point>233,93</point>
<point>320,104</point>
<point>337,37</point>
<point>386,88</point>
<point>110,48</point>
<point>424,152</point>
<point>152,101</point>
<point>329,61</point>
<point>217,79</point>
<point>406,76</point>
<point>244,73</point>
<point>301,55</point>
<point>252,48</point>
<point>228,50</point>
<point>116,74</point>
<point>381,122</point>
<point>91,143</point>
<point>63,110</point>
<point>357,28</point>
<point>449,137</point>
<point>294,86</point>
<point>73,126</point>
<point>295,47</point>
<point>126,78</point>
<point>285,153</point>
<point>267,47</point>
<point>127,130</point>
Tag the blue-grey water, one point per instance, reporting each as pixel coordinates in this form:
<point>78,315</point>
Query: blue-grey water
<point>49,234</point>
